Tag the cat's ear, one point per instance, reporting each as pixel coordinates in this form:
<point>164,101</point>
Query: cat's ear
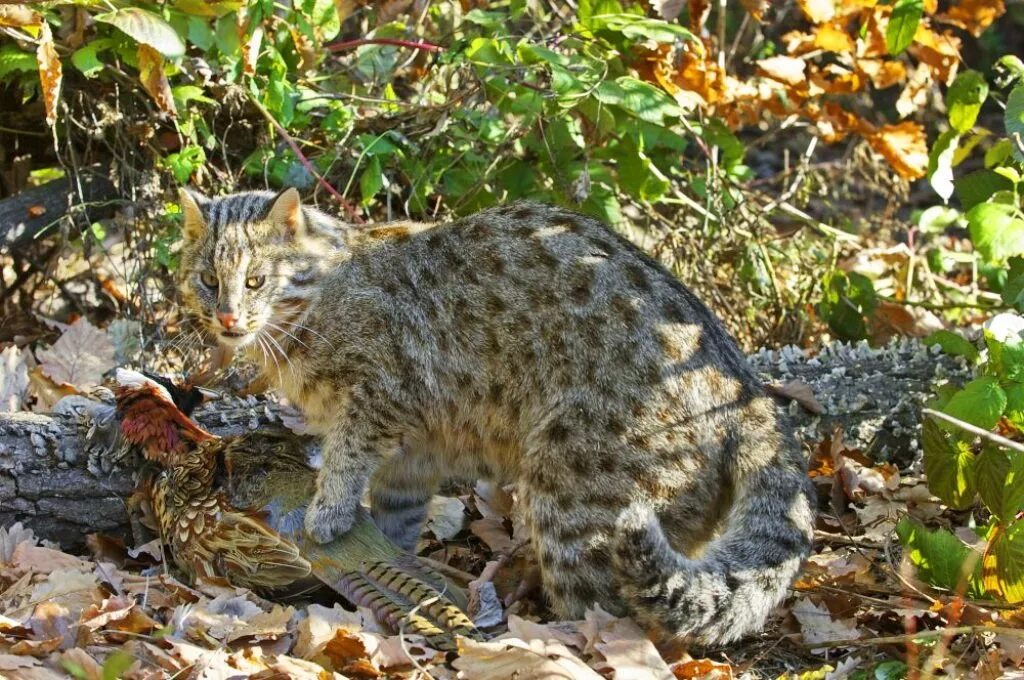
<point>286,213</point>
<point>191,209</point>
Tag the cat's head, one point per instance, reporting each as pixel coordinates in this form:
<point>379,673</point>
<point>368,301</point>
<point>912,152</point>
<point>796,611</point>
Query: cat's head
<point>250,260</point>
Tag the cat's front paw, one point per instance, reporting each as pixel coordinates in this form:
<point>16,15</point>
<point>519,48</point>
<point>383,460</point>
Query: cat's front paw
<point>326,521</point>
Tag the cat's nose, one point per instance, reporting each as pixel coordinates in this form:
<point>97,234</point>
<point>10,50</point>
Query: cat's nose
<point>227,319</point>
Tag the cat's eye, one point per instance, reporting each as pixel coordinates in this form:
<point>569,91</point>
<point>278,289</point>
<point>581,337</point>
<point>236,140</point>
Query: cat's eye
<point>254,282</point>
<point>209,280</point>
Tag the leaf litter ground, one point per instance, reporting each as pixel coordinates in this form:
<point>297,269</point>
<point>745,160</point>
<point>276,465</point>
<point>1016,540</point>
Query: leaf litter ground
<point>856,611</point>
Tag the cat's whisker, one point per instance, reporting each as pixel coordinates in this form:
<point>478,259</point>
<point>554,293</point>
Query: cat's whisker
<point>290,335</point>
<point>307,329</point>
<point>268,354</point>
<point>284,355</point>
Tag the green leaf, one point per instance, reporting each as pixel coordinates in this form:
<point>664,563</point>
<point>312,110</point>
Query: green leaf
<point>1005,357</point>
<point>1013,289</point>
<point>999,476</point>
<point>199,33</point>
<point>1014,119</point>
<point>147,28</point>
<point>639,27</point>
<point>1005,561</point>
<point>981,402</point>
<point>646,101</point>
<point>14,60</point>
<point>979,186</point>
<point>997,230</point>
<point>115,665</point>
<point>953,344</point>
<point>940,557</point>
<point>86,58</point>
<point>846,300</point>
<point>964,99</point>
<point>940,163</point>
<point>225,35</point>
<point>184,163</point>
<point>899,33</point>
<point>716,133</point>
<point>372,180</point>
<point>949,465</point>
<point>639,176</point>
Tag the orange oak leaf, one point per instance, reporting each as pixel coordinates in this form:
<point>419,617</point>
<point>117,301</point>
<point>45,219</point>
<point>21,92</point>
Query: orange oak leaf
<point>154,80</point>
<point>903,146</point>
<point>50,73</point>
<point>974,16</point>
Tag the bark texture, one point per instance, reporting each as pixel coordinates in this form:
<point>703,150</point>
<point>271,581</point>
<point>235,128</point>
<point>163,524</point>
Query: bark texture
<point>64,474</point>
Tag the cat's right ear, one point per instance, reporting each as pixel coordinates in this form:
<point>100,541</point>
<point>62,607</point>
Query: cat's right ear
<point>191,209</point>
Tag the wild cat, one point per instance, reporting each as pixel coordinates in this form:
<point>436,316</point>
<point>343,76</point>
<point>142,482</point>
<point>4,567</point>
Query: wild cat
<point>527,344</point>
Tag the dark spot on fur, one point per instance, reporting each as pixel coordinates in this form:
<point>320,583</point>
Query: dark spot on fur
<point>672,311</point>
<point>581,280</point>
<point>637,276</point>
<point>539,256</point>
<point>602,245</point>
<point>494,304</point>
<point>522,212</point>
<point>495,393</point>
<point>557,432</point>
<point>615,425</point>
<point>478,230</point>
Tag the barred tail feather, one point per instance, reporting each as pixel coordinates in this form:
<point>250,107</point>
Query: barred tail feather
<point>733,586</point>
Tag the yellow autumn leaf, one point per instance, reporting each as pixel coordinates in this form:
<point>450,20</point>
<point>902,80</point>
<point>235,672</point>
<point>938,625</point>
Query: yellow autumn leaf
<point>903,146</point>
<point>818,11</point>
<point>832,38</point>
<point>974,16</point>
<point>50,73</point>
<point>154,80</point>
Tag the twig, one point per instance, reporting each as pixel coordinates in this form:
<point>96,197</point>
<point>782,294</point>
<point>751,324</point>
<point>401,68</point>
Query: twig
<point>924,634</point>
<point>395,42</point>
<point>350,211</point>
<point>448,570</point>
<point>974,429</point>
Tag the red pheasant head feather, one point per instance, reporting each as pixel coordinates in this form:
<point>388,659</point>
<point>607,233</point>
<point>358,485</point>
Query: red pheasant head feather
<point>151,419</point>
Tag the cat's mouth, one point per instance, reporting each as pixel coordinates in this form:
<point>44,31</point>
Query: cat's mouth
<point>233,339</point>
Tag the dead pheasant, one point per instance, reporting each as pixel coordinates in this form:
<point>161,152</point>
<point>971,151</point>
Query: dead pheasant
<point>233,507</point>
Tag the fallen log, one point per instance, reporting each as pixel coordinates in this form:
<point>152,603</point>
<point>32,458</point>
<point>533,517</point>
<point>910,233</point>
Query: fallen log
<point>61,476</point>
<point>29,215</point>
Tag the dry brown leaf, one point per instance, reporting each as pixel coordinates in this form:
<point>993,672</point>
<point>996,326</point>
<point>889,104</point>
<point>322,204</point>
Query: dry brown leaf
<point>800,392</point>
<point>818,11</point>
<point>883,73</point>
<point>154,80</point>
<point>941,51</point>
<point>35,558</point>
<point>629,654</point>
<point>492,531</point>
<point>320,625</point>
<point>12,662</point>
<point>903,146</point>
<point>566,633</point>
<point>534,660</point>
<point>80,357</point>
<point>120,614</point>
<point>974,16</point>
<point>446,517</point>
<point>348,655</point>
<point>50,72</point>
<point>37,648</point>
<point>788,70</point>
<point>19,15</point>
<point>817,624</point>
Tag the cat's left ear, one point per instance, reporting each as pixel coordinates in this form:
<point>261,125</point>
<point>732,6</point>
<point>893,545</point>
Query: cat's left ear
<point>286,213</point>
